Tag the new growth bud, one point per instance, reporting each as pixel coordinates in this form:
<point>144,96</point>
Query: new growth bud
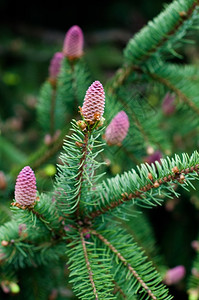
<point>168,106</point>
<point>3,183</point>
<point>25,188</point>
<point>94,101</point>
<point>73,43</point>
<point>156,156</point>
<point>117,129</point>
<point>174,275</point>
<point>55,65</point>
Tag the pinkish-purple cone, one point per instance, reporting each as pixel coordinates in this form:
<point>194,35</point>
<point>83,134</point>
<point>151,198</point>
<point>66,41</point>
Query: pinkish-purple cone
<point>73,43</point>
<point>168,106</point>
<point>174,275</point>
<point>25,187</point>
<point>94,101</point>
<point>156,156</point>
<point>117,129</point>
<point>55,65</point>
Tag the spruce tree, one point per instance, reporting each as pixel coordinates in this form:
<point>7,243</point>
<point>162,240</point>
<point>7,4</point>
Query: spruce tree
<point>89,236</point>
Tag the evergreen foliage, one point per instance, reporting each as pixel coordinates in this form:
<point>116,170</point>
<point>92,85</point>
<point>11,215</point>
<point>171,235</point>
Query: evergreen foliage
<point>90,227</point>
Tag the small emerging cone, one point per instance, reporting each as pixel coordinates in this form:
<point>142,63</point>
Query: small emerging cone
<point>156,156</point>
<point>94,102</point>
<point>3,182</point>
<point>25,188</point>
<point>168,106</point>
<point>117,129</point>
<point>174,275</point>
<point>73,43</point>
<point>55,65</point>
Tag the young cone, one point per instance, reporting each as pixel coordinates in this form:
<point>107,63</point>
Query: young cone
<point>73,43</point>
<point>174,275</point>
<point>157,155</point>
<point>168,106</point>
<point>94,101</point>
<point>55,65</point>
<point>25,188</point>
<point>117,129</point>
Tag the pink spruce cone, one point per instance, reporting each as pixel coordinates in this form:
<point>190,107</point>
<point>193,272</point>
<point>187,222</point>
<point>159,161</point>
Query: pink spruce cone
<point>73,43</point>
<point>168,106</point>
<point>25,188</point>
<point>55,65</point>
<point>157,155</point>
<point>174,275</point>
<point>117,129</point>
<point>94,101</point>
<point>195,245</point>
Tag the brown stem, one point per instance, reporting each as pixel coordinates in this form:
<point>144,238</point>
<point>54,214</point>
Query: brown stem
<point>81,171</point>
<point>125,263</point>
<point>88,265</point>
<point>119,289</point>
<point>125,197</point>
<point>138,241</point>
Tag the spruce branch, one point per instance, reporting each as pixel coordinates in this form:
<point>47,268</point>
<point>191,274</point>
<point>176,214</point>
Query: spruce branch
<point>140,229</point>
<point>80,176</point>
<point>129,265</point>
<point>178,17</point>
<point>89,268</point>
<point>88,265</point>
<point>118,289</point>
<point>22,246</point>
<point>143,187</point>
<point>79,161</point>
<point>126,264</point>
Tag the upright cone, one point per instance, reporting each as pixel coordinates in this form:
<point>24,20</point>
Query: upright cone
<point>94,102</point>
<point>25,188</point>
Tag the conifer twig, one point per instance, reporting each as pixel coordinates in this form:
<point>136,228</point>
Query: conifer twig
<point>119,289</point>
<point>82,164</point>
<point>125,263</point>
<point>184,16</point>
<point>125,197</point>
<point>139,242</point>
<point>126,70</point>
<point>88,265</point>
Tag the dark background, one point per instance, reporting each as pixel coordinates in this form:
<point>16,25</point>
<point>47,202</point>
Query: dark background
<point>90,15</point>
